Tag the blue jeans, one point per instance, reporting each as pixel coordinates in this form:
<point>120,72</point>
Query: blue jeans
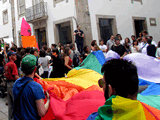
<point>45,74</point>
<point>1,70</point>
<point>80,46</point>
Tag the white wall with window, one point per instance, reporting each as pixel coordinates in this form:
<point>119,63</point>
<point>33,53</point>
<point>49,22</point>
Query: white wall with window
<point>5,19</point>
<point>124,11</point>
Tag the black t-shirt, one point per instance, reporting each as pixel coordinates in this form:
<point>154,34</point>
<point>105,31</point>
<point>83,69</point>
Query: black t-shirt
<point>119,49</point>
<point>151,50</point>
<point>18,61</point>
<point>1,60</point>
<point>58,67</point>
<point>78,38</point>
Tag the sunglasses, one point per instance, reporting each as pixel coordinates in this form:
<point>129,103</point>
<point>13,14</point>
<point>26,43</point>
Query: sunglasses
<point>101,83</point>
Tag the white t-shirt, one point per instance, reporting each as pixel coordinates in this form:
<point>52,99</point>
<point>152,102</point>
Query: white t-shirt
<point>122,42</point>
<point>143,47</point>
<point>103,47</point>
<point>154,43</point>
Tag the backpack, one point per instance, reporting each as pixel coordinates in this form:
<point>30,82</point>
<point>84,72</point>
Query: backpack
<point>76,61</point>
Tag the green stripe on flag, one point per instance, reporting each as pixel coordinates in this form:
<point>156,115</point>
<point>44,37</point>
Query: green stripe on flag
<point>91,62</point>
<point>106,111</point>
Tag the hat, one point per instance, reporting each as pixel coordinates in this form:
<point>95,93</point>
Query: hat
<point>11,53</point>
<point>29,62</point>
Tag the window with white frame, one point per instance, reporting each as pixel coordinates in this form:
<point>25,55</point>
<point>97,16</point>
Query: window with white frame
<point>5,17</point>
<point>21,7</point>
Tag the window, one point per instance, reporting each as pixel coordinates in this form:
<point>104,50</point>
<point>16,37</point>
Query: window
<point>106,26</point>
<point>4,1</point>
<point>5,17</point>
<point>37,1</point>
<point>136,1</point>
<point>21,7</point>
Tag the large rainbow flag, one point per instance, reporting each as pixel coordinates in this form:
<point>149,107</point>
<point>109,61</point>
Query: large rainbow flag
<point>78,95</point>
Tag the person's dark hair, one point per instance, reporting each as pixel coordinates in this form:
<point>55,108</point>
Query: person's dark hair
<point>13,49</point>
<point>71,46</point>
<point>135,41</point>
<point>122,76</point>
<point>85,48</point>
<point>66,51</point>
<point>27,71</point>
<point>48,50</point>
<point>145,31</point>
<point>28,50</point>
<point>93,43</point>
<point>44,47</point>
<point>55,50</point>
<point>133,36</point>
<point>54,45</point>
<point>0,48</point>
<point>101,40</point>
<point>7,47</point>
<point>19,49</point>
<point>128,40</point>
<point>42,53</point>
<point>32,51</point>
<point>139,40</point>
<point>150,37</point>
<point>158,44</point>
<point>149,41</point>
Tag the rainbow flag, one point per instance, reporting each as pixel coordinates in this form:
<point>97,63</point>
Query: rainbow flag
<point>78,96</point>
<point>119,108</point>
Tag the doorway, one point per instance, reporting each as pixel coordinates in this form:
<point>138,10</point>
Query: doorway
<point>41,37</point>
<point>139,25</point>
<point>65,33</point>
<point>105,28</point>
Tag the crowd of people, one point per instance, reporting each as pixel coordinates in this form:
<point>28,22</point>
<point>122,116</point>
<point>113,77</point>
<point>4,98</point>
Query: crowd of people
<point>18,62</point>
<point>143,44</point>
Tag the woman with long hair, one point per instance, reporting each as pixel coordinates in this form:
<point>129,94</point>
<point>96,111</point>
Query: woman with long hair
<point>134,47</point>
<point>127,45</point>
<point>67,59</point>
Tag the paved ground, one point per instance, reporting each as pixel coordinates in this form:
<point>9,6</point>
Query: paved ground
<point>3,109</point>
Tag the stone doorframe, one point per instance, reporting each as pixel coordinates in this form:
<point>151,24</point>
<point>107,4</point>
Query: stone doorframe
<point>114,24</point>
<point>56,29</point>
<point>38,25</point>
<point>138,18</point>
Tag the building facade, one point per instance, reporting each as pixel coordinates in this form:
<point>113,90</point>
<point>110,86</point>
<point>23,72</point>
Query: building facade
<point>53,21</point>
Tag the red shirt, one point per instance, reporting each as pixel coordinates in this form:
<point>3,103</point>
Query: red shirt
<point>70,62</point>
<point>10,70</point>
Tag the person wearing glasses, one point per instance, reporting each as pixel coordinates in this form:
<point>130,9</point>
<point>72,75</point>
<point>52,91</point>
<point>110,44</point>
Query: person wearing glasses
<point>119,90</point>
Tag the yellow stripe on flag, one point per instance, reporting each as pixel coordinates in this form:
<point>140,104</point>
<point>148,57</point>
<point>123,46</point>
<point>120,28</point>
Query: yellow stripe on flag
<point>127,109</point>
<point>83,77</point>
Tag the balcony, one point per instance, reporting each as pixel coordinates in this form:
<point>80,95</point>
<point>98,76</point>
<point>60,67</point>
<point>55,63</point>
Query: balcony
<point>36,12</point>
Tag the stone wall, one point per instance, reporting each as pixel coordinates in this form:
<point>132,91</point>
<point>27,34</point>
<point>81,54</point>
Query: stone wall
<point>83,19</point>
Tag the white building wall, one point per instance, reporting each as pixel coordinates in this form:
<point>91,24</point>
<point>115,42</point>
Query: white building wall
<point>18,19</point>
<point>6,29</point>
<point>124,10</point>
<point>61,11</point>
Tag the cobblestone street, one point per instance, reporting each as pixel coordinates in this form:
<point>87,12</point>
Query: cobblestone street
<point>3,109</point>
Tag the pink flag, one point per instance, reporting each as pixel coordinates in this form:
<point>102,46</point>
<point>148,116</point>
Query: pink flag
<point>25,28</point>
<point>37,47</point>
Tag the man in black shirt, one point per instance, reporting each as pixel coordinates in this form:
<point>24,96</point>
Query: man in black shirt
<point>151,49</point>
<point>58,64</point>
<point>79,35</point>
<point>118,48</point>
